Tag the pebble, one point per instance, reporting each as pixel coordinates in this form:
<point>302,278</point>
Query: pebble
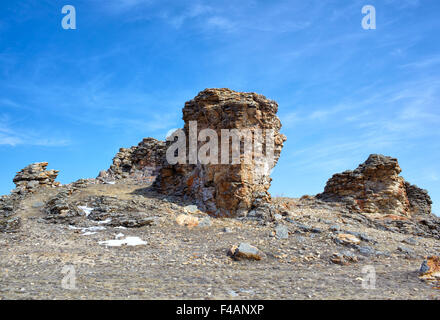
<point>281,232</point>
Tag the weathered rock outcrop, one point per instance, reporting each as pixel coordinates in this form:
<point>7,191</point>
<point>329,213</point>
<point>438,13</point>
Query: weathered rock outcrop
<point>376,187</point>
<point>141,162</point>
<point>27,181</point>
<point>9,222</point>
<point>226,189</point>
<point>35,176</point>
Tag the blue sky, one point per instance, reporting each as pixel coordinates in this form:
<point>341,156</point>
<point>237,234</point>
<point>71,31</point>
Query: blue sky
<point>73,97</point>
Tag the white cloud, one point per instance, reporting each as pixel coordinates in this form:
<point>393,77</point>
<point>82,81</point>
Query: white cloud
<point>14,137</point>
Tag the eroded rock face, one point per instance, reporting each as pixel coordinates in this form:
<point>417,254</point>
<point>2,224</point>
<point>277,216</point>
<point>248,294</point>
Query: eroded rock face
<point>8,221</point>
<point>226,189</point>
<point>35,176</point>
<point>376,187</point>
<point>141,162</point>
<point>419,199</point>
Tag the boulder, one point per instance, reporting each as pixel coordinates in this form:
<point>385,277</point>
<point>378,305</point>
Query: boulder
<point>245,251</point>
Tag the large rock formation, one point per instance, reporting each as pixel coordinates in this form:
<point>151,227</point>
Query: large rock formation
<point>35,176</point>
<point>141,162</point>
<point>376,187</point>
<point>226,189</point>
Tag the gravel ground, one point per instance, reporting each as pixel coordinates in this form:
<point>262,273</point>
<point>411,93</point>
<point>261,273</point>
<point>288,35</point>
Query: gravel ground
<point>177,262</point>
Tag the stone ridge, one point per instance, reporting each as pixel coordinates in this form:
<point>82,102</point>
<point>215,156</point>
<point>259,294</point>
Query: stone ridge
<point>141,162</point>
<point>375,186</point>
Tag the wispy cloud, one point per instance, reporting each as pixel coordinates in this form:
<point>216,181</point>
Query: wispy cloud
<point>13,137</point>
<point>423,63</point>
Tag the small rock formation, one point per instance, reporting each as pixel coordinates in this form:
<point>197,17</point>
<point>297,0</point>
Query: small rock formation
<point>376,187</point>
<point>225,189</point>
<point>187,221</point>
<point>35,176</point>
<point>141,162</point>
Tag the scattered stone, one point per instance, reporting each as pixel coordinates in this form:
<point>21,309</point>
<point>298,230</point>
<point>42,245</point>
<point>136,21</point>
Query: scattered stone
<point>361,236</point>
<point>191,209</point>
<point>300,226</point>
<point>37,205</point>
<point>227,230</point>
<point>316,230</point>
<point>411,241</point>
<point>281,232</point>
<point>245,251</point>
<point>347,239</point>
<point>187,221</point>
<point>366,250</point>
<point>205,222</point>
<point>406,250</point>
<point>344,258</point>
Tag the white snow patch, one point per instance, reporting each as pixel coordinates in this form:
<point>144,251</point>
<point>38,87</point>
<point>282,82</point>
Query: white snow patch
<point>88,233</point>
<point>98,228</point>
<point>86,210</point>
<point>119,235</point>
<point>108,220</point>
<point>129,241</point>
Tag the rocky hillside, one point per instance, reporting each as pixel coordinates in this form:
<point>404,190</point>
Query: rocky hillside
<point>148,229</point>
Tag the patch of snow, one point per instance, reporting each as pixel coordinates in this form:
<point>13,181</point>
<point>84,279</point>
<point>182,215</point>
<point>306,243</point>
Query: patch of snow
<point>119,235</point>
<point>129,241</point>
<point>120,227</point>
<point>86,210</point>
<point>88,233</point>
<point>108,220</point>
<point>98,228</point>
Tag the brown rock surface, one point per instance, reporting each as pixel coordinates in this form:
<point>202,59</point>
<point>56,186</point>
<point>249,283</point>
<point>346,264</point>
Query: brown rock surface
<point>226,189</point>
<point>376,187</point>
